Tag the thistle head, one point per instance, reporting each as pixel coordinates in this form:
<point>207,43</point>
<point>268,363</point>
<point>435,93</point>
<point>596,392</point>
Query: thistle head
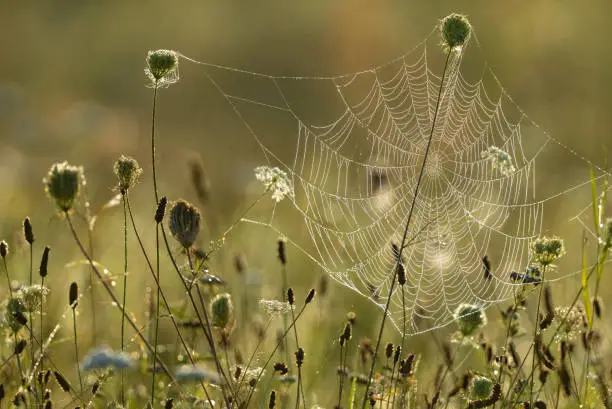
<point>455,30</point>
<point>63,184</point>
<point>469,319</point>
<point>127,171</point>
<point>184,222</point>
<point>480,388</point>
<point>222,311</point>
<point>547,250</point>
<point>162,67</point>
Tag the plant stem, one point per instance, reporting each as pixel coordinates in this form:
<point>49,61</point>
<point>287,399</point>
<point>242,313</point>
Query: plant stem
<point>156,314</point>
<point>405,235</point>
<point>76,348</point>
<point>110,292</point>
<point>535,337</point>
<point>125,274</point>
<point>155,88</point>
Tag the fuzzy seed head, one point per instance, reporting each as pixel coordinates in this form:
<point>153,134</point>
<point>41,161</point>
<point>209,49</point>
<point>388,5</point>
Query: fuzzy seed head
<point>469,319</point>
<point>480,388</point>
<point>63,184</point>
<point>222,311</point>
<point>184,222</point>
<point>162,67</point>
<point>547,250</point>
<point>455,30</point>
<point>127,171</point>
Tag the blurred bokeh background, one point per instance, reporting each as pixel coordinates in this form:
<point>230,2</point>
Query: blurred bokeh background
<point>72,88</point>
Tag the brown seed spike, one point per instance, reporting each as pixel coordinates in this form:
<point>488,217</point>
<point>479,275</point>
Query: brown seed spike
<point>310,296</point>
<point>161,210</point>
<point>401,274</point>
<point>28,233</point>
<point>73,295</point>
<point>487,267</point>
<point>48,404</point>
<point>388,350</point>
<point>272,401</point>
<point>299,357</point>
<point>20,346</point>
<point>44,261</point>
<point>61,381</point>
<point>290,296</point>
<point>3,249</point>
<point>282,250</point>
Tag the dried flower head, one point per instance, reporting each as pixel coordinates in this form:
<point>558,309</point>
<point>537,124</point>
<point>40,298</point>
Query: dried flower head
<point>192,373</point>
<point>222,311</point>
<point>276,181</point>
<point>63,184</point>
<point>547,250</point>
<point>184,222</point>
<point>455,30</point>
<point>162,68</point>
<point>105,358</point>
<point>480,387</point>
<point>127,171</point>
<point>33,296</point>
<point>499,159</point>
<point>274,307</point>
<point>469,319</point>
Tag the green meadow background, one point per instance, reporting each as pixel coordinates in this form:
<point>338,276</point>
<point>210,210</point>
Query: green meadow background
<point>72,88</point>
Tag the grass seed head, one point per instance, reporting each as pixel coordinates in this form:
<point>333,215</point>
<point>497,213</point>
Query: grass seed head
<point>4,249</point>
<point>28,233</point>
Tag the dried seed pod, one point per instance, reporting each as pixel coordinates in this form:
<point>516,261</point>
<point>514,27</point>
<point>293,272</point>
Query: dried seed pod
<point>290,296</point>
<point>310,296</point>
<point>3,249</point>
<point>73,295</point>
<point>161,210</point>
<point>184,223</point>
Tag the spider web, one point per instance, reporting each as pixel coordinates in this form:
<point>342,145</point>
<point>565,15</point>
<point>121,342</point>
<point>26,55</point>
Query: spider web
<point>353,145</point>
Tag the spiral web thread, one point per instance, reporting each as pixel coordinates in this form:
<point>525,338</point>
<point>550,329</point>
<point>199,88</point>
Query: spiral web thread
<point>354,177</point>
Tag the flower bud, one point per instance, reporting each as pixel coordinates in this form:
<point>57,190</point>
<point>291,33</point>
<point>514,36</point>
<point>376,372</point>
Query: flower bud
<point>469,319</point>
<point>162,67</point>
<point>63,184</point>
<point>455,30</point>
<point>184,223</point>
<point>127,171</point>
<point>222,311</point>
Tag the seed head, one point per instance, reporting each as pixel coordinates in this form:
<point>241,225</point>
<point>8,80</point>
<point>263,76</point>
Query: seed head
<point>33,296</point>
<point>455,30</point>
<point>290,296</point>
<point>127,171</point>
<point>480,387</point>
<point>44,261</point>
<point>3,249</point>
<point>162,68</point>
<point>469,319</point>
<point>310,296</point>
<point>73,295</point>
<point>28,233</point>
<point>184,222</point>
<point>222,311</point>
<point>161,209</point>
<point>63,184</point>
<point>299,357</point>
<point>282,250</point>
<point>547,250</point>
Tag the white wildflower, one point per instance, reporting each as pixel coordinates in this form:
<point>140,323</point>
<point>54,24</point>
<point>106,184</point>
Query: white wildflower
<point>276,181</point>
<point>274,307</point>
<point>499,159</point>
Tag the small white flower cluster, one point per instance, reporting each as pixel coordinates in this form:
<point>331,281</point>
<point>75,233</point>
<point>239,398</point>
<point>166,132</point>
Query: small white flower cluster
<point>500,160</point>
<point>276,181</point>
<point>105,358</point>
<point>274,307</point>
